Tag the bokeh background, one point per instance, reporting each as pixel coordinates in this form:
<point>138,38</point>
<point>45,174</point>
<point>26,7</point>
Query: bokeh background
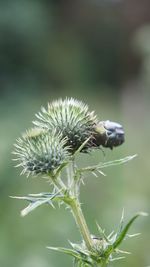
<point>97,51</point>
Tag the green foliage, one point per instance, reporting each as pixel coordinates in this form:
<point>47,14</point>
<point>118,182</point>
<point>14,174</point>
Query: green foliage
<point>37,200</point>
<point>66,128</point>
<point>105,248</point>
<point>63,131</point>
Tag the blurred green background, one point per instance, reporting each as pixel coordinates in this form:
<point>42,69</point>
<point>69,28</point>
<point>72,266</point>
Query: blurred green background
<point>97,51</point>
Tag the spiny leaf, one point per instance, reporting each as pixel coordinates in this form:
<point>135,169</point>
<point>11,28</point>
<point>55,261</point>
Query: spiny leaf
<point>117,161</point>
<point>102,232</point>
<point>79,249</point>
<point>123,251</point>
<point>120,238</point>
<point>110,235</point>
<point>67,251</point>
<point>121,223</point>
<point>102,165</point>
<point>133,235</point>
<point>116,259</point>
<point>33,206</point>
<point>126,228</point>
<point>79,255</point>
<point>37,200</point>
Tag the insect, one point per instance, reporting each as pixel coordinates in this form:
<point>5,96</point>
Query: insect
<point>109,134</point>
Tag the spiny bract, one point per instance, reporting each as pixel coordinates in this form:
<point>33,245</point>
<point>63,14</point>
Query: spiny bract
<point>41,152</point>
<point>71,118</point>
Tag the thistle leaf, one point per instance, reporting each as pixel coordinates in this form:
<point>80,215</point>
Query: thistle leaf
<point>121,223</point>
<point>120,237</point>
<point>116,162</point>
<point>37,200</point>
<point>102,165</point>
<point>102,233</point>
<point>117,258</point>
<point>82,258</point>
<point>67,251</point>
<point>33,206</point>
<point>126,228</point>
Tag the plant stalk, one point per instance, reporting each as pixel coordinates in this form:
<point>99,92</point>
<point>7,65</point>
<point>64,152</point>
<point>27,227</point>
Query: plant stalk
<point>81,223</point>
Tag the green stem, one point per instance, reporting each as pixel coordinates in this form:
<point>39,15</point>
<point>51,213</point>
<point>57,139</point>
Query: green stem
<point>81,223</point>
<point>56,183</point>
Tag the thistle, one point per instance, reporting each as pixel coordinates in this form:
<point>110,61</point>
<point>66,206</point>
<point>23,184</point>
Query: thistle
<point>40,152</point>
<point>73,119</point>
<point>63,130</point>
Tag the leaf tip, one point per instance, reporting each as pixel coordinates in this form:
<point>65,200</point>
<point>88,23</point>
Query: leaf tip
<point>142,213</point>
<point>23,213</point>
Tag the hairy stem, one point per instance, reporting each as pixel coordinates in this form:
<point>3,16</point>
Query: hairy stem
<point>81,223</point>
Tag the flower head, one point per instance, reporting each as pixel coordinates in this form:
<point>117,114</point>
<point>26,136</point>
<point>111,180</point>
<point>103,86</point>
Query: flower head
<point>70,117</point>
<point>40,152</point>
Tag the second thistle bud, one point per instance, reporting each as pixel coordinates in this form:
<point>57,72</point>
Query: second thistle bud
<point>40,152</point>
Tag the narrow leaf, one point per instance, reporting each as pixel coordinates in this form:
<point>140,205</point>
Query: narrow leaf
<point>121,223</point>
<point>37,200</point>
<point>133,235</point>
<point>67,251</point>
<point>116,259</point>
<point>33,206</point>
<point>117,161</point>
<point>111,248</point>
<point>102,165</point>
<point>126,228</point>
<point>102,232</point>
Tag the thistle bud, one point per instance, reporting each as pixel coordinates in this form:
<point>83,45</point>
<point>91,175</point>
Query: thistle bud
<point>70,117</point>
<point>40,152</point>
